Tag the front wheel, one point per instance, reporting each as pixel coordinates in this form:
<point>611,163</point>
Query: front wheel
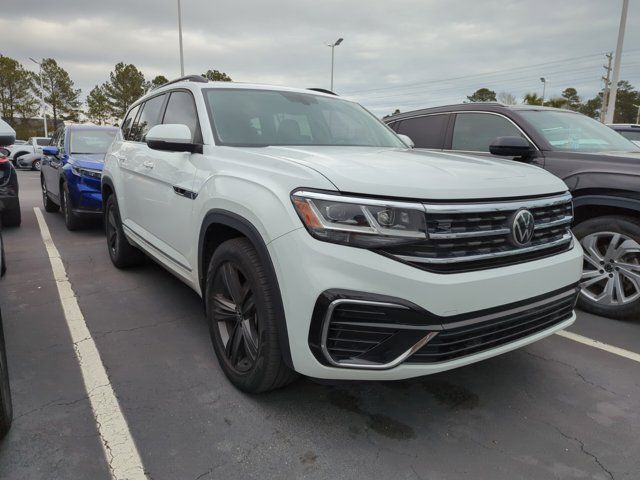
<point>242,319</point>
<point>610,284</point>
<point>71,220</point>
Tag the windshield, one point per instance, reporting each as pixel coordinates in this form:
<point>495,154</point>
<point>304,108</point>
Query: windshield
<point>266,117</point>
<point>90,141</point>
<point>567,131</point>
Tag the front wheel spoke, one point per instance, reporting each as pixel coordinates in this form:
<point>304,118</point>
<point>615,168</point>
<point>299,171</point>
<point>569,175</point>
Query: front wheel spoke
<point>618,289</point>
<point>607,294</point>
<point>250,343</point>
<point>632,276</point>
<point>249,306</point>
<point>591,261</point>
<point>224,305</point>
<point>592,280</point>
<point>612,248</point>
<point>231,280</point>
<point>627,247</point>
<point>234,343</point>
<point>590,249</point>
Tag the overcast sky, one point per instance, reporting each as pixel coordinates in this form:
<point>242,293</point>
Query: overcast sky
<point>396,54</point>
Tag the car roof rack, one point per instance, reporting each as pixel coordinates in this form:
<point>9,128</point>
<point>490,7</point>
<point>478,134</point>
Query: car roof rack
<point>323,90</point>
<point>187,78</point>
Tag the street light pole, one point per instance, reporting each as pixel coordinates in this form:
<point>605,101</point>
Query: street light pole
<point>544,88</point>
<point>616,64</point>
<point>180,39</point>
<point>638,116</point>
<point>333,46</point>
<point>44,111</point>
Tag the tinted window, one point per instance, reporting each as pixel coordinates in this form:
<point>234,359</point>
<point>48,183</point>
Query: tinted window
<point>631,135</point>
<point>126,124</point>
<point>149,117</point>
<point>476,131</point>
<point>426,132</point>
<point>43,141</point>
<point>182,109</point>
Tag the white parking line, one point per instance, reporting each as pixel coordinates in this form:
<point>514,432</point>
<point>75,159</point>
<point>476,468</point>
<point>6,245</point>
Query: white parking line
<point>621,352</point>
<point>119,448</point>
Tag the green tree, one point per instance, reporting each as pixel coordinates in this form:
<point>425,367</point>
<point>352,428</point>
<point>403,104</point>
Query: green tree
<point>98,108</point>
<point>627,100</point>
<point>482,95</point>
<point>216,76</point>
<point>158,81</point>
<point>591,108</point>
<point>507,98</point>
<point>556,102</point>
<point>16,93</point>
<point>59,91</point>
<point>572,100</point>
<point>126,84</point>
<point>532,99</point>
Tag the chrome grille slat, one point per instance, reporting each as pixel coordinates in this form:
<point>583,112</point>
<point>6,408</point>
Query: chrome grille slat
<point>478,235</point>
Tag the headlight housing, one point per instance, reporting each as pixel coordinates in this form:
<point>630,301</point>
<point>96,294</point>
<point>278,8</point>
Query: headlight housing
<point>88,172</point>
<point>360,222</point>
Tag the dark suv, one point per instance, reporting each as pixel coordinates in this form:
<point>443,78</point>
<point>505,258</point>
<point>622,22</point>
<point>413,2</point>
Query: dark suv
<point>600,167</point>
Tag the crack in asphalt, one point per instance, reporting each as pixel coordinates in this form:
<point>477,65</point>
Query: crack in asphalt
<point>586,452</point>
<point>572,367</point>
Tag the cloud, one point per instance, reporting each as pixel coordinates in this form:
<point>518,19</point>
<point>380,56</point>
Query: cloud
<point>406,54</point>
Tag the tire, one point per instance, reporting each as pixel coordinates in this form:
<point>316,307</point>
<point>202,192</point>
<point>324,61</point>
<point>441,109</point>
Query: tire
<point>610,284</point>
<point>244,331</point>
<point>121,252</point>
<point>13,217</point>
<point>49,205</point>
<point>36,165</point>
<point>6,408</point>
<point>71,220</point>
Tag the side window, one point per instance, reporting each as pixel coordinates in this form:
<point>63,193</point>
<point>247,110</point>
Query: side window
<point>126,124</point>
<point>60,141</point>
<point>476,131</point>
<point>426,132</point>
<point>182,109</point>
<point>149,117</point>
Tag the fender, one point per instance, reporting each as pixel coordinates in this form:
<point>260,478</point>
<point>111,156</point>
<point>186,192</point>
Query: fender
<point>230,219</point>
<point>608,201</point>
<point>109,182</point>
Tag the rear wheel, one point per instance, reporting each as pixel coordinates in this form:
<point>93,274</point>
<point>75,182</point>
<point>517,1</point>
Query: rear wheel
<point>6,409</point>
<point>36,165</point>
<point>49,205</point>
<point>71,220</point>
<point>610,284</point>
<point>242,319</point>
<point>121,252</point>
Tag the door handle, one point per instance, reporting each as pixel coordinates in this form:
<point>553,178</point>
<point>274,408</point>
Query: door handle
<point>121,159</point>
<point>147,164</point>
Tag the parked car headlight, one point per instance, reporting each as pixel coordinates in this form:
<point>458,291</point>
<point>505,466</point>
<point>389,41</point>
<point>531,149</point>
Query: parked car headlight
<point>88,172</point>
<point>360,222</point>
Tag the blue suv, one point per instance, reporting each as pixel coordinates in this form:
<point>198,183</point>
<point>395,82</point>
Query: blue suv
<point>72,169</point>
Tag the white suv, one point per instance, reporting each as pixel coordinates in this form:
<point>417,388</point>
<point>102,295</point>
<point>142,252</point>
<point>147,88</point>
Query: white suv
<point>323,245</point>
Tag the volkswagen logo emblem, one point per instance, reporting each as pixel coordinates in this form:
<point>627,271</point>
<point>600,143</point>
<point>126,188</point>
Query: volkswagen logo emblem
<point>522,228</point>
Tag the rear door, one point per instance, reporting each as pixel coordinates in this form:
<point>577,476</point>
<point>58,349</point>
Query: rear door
<point>426,131</point>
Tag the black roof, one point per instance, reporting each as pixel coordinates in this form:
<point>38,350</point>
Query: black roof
<point>471,106</point>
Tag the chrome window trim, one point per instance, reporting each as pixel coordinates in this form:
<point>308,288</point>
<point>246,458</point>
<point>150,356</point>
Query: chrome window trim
<point>566,238</point>
<point>368,366</point>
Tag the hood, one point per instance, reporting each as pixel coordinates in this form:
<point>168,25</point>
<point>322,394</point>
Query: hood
<point>405,173</point>
<point>94,161</point>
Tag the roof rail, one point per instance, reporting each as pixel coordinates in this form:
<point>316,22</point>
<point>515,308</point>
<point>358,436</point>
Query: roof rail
<point>187,78</point>
<point>323,90</point>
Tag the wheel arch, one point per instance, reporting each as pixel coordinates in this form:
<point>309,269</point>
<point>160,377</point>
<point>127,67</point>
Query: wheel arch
<point>106,189</point>
<point>597,205</point>
<point>219,226</point>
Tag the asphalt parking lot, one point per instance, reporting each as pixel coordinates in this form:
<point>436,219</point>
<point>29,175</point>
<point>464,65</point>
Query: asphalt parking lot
<point>554,410</point>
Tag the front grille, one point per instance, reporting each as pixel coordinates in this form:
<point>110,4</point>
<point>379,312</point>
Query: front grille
<point>463,237</point>
<point>465,340</point>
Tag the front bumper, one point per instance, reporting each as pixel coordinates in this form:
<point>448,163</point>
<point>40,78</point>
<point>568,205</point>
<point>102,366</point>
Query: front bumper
<point>306,268</point>
<point>87,198</point>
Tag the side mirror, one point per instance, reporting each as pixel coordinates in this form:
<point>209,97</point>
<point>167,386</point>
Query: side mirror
<point>407,140</point>
<point>511,147</point>
<point>172,137</point>
<point>51,151</point>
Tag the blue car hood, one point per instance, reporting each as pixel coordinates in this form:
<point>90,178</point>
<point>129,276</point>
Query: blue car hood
<point>88,160</point>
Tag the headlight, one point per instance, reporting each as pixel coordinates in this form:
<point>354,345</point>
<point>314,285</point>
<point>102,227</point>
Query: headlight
<point>86,172</point>
<point>361,222</point>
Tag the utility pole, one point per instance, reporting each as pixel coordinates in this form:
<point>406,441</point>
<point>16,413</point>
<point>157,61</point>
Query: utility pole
<point>638,116</point>
<point>607,87</point>
<point>616,64</point>
<point>180,39</point>
<point>42,105</point>
<point>544,88</point>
